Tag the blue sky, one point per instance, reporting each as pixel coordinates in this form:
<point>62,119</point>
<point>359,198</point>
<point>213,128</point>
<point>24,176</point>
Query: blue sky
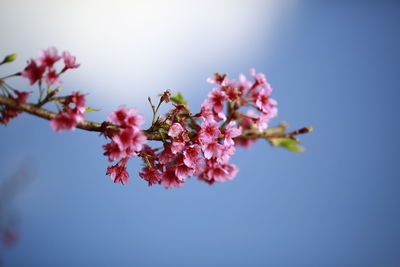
<point>333,65</point>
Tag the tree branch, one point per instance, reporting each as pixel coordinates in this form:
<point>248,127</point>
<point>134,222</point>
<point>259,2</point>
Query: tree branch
<point>277,132</point>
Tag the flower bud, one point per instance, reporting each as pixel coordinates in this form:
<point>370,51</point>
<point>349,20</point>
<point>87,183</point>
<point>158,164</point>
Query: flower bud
<point>9,58</point>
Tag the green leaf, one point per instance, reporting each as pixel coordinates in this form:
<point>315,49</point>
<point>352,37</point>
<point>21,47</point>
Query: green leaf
<point>9,58</point>
<point>89,109</point>
<point>288,143</point>
<point>178,99</point>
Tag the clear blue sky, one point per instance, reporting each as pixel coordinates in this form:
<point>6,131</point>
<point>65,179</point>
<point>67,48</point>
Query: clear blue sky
<point>334,66</point>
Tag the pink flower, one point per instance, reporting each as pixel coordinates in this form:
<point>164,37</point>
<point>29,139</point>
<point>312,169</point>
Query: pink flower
<point>244,84</point>
<point>125,144</point>
<point>231,132</point>
<point>49,57</point>
<point>212,149</point>
<point>118,173</point>
<point>260,79</point>
<point>177,147</point>
<point>113,152</point>
<point>21,96</point>
<point>215,172</point>
<point>209,131</point>
<point>175,130</point>
<point>206,110</point>
<point>138,140</point>
<point>124,138</point>
<point>69,61</point>
<point>263,102</point>
<point>69,118</point>
<point>216,98</point>
<point>246,143</point>
<point>225,154</point>
<point>262,121</point>
<point>232,93</point>
<point>229,172</point>
<point>182,171</point>
<point>191,156</point>
<point>217,79</point>
<point>78,99</point>
<point>33,72</point>
<point>165,156</point>
<point>52,77</point>
<point>65,120</point>
<point>151,175</point>
<point>170,180</point>
<point>126,117</point>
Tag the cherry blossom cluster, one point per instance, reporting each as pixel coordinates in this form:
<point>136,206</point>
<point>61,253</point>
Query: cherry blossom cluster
<point>126,143</point>
<point>202,145</point>
<point>73,108</point>
<point>6,113</point>
<point>43,68</point>
<point>190,144</point>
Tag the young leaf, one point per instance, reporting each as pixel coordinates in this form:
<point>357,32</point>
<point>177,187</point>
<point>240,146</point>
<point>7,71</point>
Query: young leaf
<point>89,109</point>
<point>178,99</point>
<point>288,143</point>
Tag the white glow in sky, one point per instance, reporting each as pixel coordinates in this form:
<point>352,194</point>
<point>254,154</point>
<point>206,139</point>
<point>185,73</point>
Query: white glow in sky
<point>146,45</point>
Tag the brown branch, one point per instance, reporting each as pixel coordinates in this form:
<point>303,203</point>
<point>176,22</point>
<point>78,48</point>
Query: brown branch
<point>277,132</point>
<point>48,115</point>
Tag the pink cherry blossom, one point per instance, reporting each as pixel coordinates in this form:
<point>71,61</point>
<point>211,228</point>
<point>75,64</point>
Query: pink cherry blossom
<point>217,79</point>
<point>118,173</point>
<point>138,140</point>
<point>6,114</point>
<point>165,156</point>
<point>216,98</point>
<point>206,110</point>
<point>177,147</point>
<point>113,152</point>
<point>69,61</point>
<point>225,154</point>
<point>215,172</point>
<point>230,171</point>
<point>182,171</point>
<point>52,78</point>
<point>232,92</point>
<point>49,57</point>
<point>263,102</point>
<point>175,129</point>
<point>212,149</point>
<point>33,72</point>
<point>231,132</point>
<point>170,180</point>
<point>209,131</point>
<point>124,138</point>
<point>65,120</point>
<point>68,118</point>
<point>151,175</point>
<point>246,143</point>
<point>260,78</point>
<point>243,83</point>
<point>191,156</point>
<point>126,117</point>
<point>78,99</point>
